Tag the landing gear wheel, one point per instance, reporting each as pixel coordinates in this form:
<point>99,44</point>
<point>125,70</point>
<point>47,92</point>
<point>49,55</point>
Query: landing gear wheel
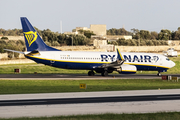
<point>91,73</point>
<point>104,73</point>
<point>159,74</point>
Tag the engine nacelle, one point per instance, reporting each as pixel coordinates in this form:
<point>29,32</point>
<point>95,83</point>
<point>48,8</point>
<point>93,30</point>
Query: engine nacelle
<point>127,69</point>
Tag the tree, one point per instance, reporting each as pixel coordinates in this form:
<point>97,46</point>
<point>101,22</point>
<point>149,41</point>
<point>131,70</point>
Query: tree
<point>20,42</point>
<point>114,43</point>
<point>136,34</point>
<point>87,33</point>
<point>120,31</point>
<point>156,42</point>
<point>121,42</point>
<point>13,32</point>
<point>154,35</point>
<point>111,31</point>
<point>81,31</point>
<point>62,38</point>
<point>135,31</point>
<point>149,43</point>
<point>55,43</point>
<point>2,46</point>
<point>142,43</point>
<point>164,35</point>
<point>4,38</point>
<point>49,36</point>
<point>178,28</point>
<point>176,34</point>
<point>144,34</point>
<point>133,43</point>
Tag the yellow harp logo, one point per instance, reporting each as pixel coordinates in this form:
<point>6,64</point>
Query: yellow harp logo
<point>30,36</point>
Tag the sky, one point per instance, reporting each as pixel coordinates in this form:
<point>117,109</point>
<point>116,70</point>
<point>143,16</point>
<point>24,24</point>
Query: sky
<point>152,15</point>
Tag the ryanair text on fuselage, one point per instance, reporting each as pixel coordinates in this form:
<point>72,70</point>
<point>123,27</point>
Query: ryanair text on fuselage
<point>131,58</point>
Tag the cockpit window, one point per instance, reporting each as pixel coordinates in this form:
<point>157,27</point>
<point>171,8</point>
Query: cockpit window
<point>167,59</point>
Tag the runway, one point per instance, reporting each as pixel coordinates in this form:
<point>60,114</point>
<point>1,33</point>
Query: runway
<point>55,104</point>
<point>75,76</point>
<point>88,100</point>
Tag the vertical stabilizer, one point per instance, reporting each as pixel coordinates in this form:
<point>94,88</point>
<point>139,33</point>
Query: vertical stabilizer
<point>32,38</point>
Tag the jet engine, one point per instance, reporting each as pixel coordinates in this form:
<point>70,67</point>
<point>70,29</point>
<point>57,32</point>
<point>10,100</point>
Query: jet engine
<point>127,69</point>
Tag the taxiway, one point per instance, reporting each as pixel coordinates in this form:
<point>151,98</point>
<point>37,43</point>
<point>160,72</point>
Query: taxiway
<point>75,76</point>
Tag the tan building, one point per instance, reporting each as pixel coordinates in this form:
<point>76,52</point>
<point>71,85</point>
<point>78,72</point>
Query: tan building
<point>82,28</point>
<point>76,31</point>
<point>117,37</point>
<point>173,42</point>
<point>69,33</point>
<point>97,42</point>
<point>98,29</point>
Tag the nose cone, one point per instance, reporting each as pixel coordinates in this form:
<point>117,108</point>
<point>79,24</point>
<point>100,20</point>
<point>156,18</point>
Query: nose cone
<point>172,64</point>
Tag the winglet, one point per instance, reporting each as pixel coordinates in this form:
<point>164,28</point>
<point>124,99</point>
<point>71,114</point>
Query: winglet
<point>119,56</point>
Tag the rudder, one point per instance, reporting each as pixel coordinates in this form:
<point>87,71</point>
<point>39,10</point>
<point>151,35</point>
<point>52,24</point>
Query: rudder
<point>32,38</point>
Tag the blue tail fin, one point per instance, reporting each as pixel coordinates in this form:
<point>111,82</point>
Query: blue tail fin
<point>32,38</point>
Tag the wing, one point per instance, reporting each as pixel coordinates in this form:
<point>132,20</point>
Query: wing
<point>115,64</point>
<point>119,66</point>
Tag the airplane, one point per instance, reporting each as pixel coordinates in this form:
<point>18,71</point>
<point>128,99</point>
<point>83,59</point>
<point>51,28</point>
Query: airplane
<point>99,62</point>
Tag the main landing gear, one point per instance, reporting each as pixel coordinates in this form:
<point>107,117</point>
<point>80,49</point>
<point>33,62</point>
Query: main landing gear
<point>91,73</point>
<point>104,73</point>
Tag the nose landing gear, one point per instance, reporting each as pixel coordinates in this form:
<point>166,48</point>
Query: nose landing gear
<point>159,74</point>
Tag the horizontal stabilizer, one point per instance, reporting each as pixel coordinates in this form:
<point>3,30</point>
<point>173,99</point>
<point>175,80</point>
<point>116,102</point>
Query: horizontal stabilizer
<point>14,51</point>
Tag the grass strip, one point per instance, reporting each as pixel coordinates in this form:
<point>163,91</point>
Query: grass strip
<point>39,68</point>
<point>143,116</point>
<point>57,86</point>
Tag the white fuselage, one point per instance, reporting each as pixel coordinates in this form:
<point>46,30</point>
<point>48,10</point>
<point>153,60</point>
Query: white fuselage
<point>90,60</point>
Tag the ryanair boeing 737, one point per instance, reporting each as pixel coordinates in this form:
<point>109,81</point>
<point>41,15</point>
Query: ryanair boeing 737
<point>99,62</point>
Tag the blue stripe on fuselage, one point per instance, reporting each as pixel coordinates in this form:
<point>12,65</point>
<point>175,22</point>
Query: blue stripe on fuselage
<point>66,65</point>
<point>89,66</point>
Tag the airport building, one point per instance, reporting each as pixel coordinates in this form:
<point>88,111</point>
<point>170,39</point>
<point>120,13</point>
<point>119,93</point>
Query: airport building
<point>96,29</point>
